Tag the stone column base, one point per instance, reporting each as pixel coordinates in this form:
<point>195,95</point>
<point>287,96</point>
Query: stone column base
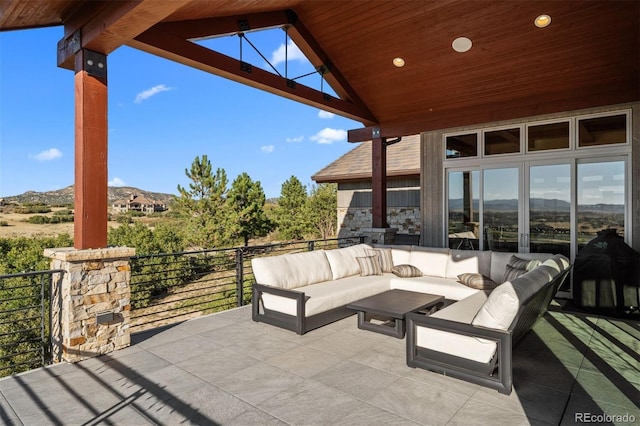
<point>90,301</point>
<point>379,235</point>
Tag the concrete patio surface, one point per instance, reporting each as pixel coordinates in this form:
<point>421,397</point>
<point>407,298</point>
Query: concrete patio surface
<point>226,369</point>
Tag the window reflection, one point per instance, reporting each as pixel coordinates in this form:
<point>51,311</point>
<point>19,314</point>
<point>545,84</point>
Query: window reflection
<point>463,206</point>
<point>506,141</point>
<point>548,136</point>
<point>460,146</point>
<point>600,199</point>
<point>602,131</point>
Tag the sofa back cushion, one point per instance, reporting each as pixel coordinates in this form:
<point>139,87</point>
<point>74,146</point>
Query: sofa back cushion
<point>503,303</point>
<point>343,260</point>
<point>431,261</point>
<point>292,270</point>
<point>468,261</point>
<point>499,261</point>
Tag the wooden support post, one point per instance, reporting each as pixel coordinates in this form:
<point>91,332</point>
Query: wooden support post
<point>379,183</point>
<point>91,177</point>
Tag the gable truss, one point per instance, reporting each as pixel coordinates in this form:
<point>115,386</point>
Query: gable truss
<point>172,40</point>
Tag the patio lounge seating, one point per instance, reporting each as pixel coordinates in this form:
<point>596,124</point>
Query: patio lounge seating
<point>306,290</point>
<point>473,339</point>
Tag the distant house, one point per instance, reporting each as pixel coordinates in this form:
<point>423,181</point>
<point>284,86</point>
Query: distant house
<point>137,203</point>
<point>352,172</point>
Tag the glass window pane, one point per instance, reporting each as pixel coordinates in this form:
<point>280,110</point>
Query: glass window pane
<point>601,194</point>
<point>548,136</point>
<point>550,209</point>
<point>501,209</point>
<point>463,204</point>
<point>602,130</point>
<point>506,141</point>
<point>460,146</point>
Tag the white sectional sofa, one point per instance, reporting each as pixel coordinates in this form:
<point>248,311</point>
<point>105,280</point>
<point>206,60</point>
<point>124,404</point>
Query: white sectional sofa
<point>468,338</point>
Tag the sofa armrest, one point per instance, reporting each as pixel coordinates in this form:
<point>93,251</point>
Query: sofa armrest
<point>462,368</point>
<point>277,318</point>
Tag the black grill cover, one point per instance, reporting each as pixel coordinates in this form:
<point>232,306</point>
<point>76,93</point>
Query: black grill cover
<point>606,276</point>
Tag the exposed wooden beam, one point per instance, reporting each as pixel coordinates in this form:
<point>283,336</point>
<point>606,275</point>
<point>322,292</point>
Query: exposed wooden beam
<point>105,26</point>
<point>168,46</point>
<point>225,25</point>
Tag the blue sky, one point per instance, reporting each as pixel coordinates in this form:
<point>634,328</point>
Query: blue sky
<point>161,116</point>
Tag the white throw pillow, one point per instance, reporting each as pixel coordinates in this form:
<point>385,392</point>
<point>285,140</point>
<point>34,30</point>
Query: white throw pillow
<point>343,260</point>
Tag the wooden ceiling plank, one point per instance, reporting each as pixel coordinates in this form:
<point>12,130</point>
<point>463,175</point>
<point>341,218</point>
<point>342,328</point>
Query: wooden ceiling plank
<point>166,45</point>
<point>314,52</point>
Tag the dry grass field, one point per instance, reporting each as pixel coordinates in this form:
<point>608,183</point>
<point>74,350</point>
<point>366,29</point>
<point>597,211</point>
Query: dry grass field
<point>17,226</point>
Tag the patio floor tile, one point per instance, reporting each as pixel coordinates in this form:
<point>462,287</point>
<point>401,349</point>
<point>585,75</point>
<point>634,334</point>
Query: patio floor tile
<point>225,369</point>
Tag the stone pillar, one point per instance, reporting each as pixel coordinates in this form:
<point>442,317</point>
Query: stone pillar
<point>379,235</point>
<point>90,301</point>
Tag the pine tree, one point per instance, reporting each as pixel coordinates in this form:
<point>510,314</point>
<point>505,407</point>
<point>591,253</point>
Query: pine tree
<point>291,214</point>
<point>203,204</point>
<point>246,201</point>
<point>322,207</point>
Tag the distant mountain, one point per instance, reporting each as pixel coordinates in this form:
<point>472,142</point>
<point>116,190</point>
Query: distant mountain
<point>539,204</point>
<point>65,196</point>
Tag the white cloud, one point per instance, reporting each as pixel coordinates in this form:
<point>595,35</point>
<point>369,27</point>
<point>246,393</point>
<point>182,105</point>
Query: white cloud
<point>146,94</point>
<point>47,155</point>
<point>116,181</point>
<point>267,148</point>
<point>329,136</point>
<point>293,52</point>
<point>326,114</point>
<point>296,139</point>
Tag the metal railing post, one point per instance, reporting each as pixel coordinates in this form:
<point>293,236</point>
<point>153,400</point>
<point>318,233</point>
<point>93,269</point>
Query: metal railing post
<point>239,276</point>
<point>311,245</point>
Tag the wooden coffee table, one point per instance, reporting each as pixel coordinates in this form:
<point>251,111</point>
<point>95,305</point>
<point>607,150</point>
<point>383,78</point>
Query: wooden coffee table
<point>385,312</point>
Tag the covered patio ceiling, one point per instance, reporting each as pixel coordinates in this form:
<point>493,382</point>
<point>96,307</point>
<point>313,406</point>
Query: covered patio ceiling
<point>588,56</point>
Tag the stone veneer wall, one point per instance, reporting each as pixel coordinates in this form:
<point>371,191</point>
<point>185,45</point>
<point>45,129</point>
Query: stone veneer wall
<point>351,221</point>
<point>90,302</point>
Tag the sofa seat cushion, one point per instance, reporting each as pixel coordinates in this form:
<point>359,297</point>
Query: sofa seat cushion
<point>329,295</point>
<point>450,289</point>
<point>473,348</point>
<point>343,260</point>
<point>292,270</point>
<point>431,261</point>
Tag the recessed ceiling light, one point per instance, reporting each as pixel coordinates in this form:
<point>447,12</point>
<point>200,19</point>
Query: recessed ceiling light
<point>461,44</point>
<point>398,62</point>
<point>542,21</point>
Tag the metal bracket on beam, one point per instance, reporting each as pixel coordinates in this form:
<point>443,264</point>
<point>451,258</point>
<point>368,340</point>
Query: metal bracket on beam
<point>292,17</point>
<point>375,132</point>
<point>291,84</point>
<point>243,25</point>
<point>94,63</point>
<point>246,67</point>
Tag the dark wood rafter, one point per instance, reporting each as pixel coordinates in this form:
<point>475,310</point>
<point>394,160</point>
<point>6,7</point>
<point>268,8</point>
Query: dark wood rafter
<point>172,41</point>
<point>105,26</point>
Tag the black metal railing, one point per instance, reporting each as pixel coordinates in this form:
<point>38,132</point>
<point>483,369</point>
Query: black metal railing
<point>172,287</point>
<point>25,322</point>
